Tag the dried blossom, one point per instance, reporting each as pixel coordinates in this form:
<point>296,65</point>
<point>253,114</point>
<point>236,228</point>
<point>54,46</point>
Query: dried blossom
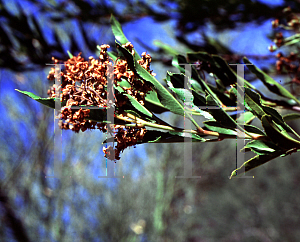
<point>85,83</point>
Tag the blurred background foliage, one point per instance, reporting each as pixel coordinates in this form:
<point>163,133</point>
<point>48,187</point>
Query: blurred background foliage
<point>149,203</point>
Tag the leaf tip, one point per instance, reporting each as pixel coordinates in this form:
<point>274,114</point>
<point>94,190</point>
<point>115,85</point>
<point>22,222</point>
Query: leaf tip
<point>69,53</point>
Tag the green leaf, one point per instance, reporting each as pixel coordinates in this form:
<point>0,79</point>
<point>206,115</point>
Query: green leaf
<point>134,102</point>
<point>220,86</point>
<point>153,136</point>
<point>165,97</point>
<point>292,39</point>
<point>49,102</point>
<point>119,35</point>
<point>291,116</point>
<point>253,103</point>
<point>277,134</point>
<point>219,67</point>
<point>97,115</point>
<point>177,81</point>
<point>188,137</point>
<point>179,59</point>
<point>269,82</point>
<point>255,162</point>
<point>185,95</point>
<point>100,115</point>
<point>217,127</point>
<point>139,106</point>
<point>152,103</point>
<point>199,86</point>
<point>254,130</point>
<point>70,55</point>
<point>219,114</point>
<point>247,119</point>
<point>262,147</point>
<point>278,119</point>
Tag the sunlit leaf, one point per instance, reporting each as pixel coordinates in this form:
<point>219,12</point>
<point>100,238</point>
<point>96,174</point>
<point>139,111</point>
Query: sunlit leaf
<point>269,82</point>
<point>277,134</point>
<point>261,147</point>
<point>291,116</point>
<point>255,162</point>
<point>217,127</point>
<point>254,130</point>
<point>50,102</point>
<point>165,97</point>
<point>247,118</point>
<point>219,114</point>
<point>119,35</point>
<point>253,103</point>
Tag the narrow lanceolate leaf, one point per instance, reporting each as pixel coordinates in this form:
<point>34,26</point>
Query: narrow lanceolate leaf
<point>247,118</point>
<point>269,82</point>
<point>278,135</point>
<point>151,100</point>
<point>278,119</point>
<point>119,35</point>
<point>253,103</point>
<point>178,79</point>
<point>153,136</point>
<point>291,116</point>
<point>217,127</point>
<point>199,85</point>
<point>135,103</point>
<point>219,114</point>
<point>253,130</point>
<point>219,67</point>
<point>50,102</point>
<point>261,147</point>
<point>255,162</point>
<point>152,103</point>
<point>70,55</point>
<point>292,39</point>
<point>97,115</point>
<point>214,67</point>
<point>165,97</point>
<point>139,106</point>
<point>185,96</point>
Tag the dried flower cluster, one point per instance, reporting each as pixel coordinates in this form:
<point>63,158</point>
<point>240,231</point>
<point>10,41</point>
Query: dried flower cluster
<point>289,64</point>
<point>292,22</point>
<point>126,137</point>
<point>85,83</point>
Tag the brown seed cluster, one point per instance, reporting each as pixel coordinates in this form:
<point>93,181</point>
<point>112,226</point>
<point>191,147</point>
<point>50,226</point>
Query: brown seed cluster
<point>292,21</point>
<point>85,83</point>
<point>289,64</point>
<point>125,137</point>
